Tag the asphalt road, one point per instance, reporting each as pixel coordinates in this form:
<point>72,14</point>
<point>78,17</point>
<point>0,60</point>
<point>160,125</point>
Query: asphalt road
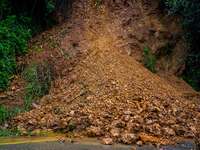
<point>51,143</point>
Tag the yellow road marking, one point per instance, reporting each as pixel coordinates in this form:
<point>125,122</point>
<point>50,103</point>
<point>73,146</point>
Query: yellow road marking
<point>34,141</point>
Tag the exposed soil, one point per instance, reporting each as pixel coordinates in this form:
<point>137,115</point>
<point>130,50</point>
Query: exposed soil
<point>104,88</point>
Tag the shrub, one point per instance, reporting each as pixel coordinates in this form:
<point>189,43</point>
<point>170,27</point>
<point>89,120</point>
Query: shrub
<point>14,36</point>
<point>38,78</point>
<point>6,115</point>
<point>189,11</point>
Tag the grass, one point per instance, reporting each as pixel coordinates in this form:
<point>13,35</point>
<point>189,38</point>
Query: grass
<point>150,61</point>
<point>38,80</point>
<point>6,114</point>
<point>9,133</point>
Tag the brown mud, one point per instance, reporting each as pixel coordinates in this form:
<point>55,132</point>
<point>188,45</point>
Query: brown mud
<point>104,90</point>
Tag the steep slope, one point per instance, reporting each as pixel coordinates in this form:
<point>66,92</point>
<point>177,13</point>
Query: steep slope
<point>104,91</point>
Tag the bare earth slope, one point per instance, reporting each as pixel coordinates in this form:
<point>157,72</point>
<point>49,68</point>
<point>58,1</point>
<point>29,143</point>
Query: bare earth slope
<point>106,92</point>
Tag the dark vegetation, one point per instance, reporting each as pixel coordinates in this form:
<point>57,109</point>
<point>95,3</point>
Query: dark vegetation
<point>150,61</point>
<point>21,20</point>
<point>189,11</point>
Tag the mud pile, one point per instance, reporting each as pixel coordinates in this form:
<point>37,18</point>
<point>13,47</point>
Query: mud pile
<point>107,93</point>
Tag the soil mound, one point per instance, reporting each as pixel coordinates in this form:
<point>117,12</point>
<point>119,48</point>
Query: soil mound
<point>105,92</point>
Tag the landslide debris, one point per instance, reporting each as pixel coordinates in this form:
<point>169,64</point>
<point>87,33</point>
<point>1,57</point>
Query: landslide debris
<point>109,94</point>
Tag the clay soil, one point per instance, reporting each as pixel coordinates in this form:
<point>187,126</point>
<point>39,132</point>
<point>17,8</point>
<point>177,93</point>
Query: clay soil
<point>103,92</point>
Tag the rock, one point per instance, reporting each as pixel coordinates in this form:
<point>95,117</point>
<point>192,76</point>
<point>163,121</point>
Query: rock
<point>71,113</point>
<point>32,122</point>
<point>133,148</point>
<point>139,143</point>
<point>170,122</point>
<point>94,131</point>
<point>115,132</point>
<point>157,129</point>
<point>189,135</point>
<point>33,133</point>
<point>63,125</point>
<point>61,140</point>
<point>169,131</point>
<point>180,130</point>
<point>50,124</point>
<point>73,141</point>
<point>127,112</point>
<point>127,118</point>
<point>145,138</point>
<point>107,141</point>
<point>193,129</point>
<point>197,141</point>
<point>128,138</point>
<point>24,133</point>
<point>155,109</point>
<point>49,130</point>
<point>37,131</point>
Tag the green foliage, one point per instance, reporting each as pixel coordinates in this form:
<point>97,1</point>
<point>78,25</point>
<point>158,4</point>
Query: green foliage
<point>50,5</point>
<point>150,61</point>
<point>189,11</point>
<point>192,74</point>
<point>38,81</point>
<point>14,35</point>
<point>9,133</point>
<point>6,115</point>
<point>97,3</point>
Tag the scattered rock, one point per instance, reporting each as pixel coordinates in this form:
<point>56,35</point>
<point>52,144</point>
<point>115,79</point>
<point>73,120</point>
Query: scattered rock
<point>61,140</point>
<point>24,133</point>
<point>139,143</point>
<point>128,138</point>
<point>146,139</point>
<point>115,132</point>
<point>32,121</point>
<point>189,135</point>
<point>94,131</point>
<point>169,131</point>
<point>33,133</point>
<point>133,148</point>
<point>73,141</point>
<point>107,141</point>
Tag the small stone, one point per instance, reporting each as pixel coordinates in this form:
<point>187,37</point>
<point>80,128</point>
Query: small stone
<point>169,131</point>
<point>139,143</point>
<point>189,135</point>
<point>22,129</point>
<point>94,131</point>
<point>127,118</point>
<point>128,138</point>
<point>73,141</point>
<point>72,113</point>
<point>145,138</point>
<point>32,122</point>
<point>107,141</point>
<point>61,140</point>
<point>24,133</point>
<point>33,133</point>
<point>127,112</point>
<point>115,132</point>
<point>37,131</point>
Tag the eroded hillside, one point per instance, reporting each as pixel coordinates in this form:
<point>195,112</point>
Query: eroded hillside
<point>104,88</point>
